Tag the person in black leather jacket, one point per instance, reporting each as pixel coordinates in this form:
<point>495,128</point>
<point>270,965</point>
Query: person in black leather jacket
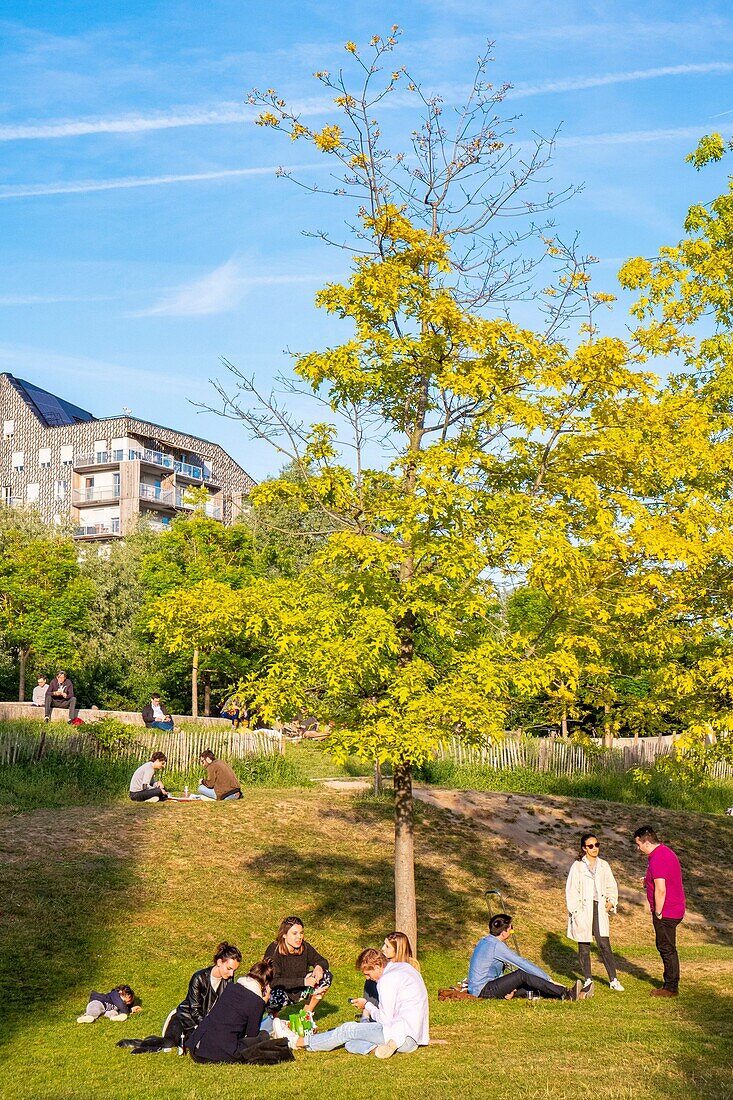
<point>234,1023</point>
<point>204,990</point>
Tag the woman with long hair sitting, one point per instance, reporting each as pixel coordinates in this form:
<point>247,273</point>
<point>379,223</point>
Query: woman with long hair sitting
<point>396,948</point>
<point>299,971</point>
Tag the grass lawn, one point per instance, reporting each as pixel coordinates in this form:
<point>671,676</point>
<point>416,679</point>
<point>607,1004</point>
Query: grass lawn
<point>98,895</point>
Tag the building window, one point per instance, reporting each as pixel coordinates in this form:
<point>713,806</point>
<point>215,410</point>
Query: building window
<point>60,489</point>
<point>115,525</point>
<point>6,494</point>
<point>8,428</point>
<point>44,457</point>
<point>67,455</point>
<point>32,492</point>
<point>18,460</point>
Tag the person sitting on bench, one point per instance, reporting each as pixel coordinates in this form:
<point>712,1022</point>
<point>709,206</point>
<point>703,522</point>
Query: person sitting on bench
<point>155,717</point>
<point>485,977</point>
<point>60,694</point>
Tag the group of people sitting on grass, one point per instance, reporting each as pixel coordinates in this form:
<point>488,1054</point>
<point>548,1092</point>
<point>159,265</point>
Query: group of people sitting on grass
<point>223,1020</point>
<point>219,782</point>
<point>226,1020</point>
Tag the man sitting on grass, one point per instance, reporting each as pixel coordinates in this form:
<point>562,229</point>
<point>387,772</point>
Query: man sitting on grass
<point>220,782</point>
<point>399,1025</point>
<point>143,785</point>
<point>485,977</point>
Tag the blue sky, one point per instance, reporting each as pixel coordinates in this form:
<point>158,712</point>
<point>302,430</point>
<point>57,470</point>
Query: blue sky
<point>144,233</point>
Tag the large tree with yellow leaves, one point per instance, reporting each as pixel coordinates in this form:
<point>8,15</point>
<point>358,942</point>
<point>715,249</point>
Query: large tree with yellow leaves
<point>480,453</point>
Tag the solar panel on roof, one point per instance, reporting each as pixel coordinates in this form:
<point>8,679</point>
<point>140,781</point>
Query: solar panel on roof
<point>53,410</point>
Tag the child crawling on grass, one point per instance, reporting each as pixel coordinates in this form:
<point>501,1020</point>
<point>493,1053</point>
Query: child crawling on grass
<point>115,1005</point>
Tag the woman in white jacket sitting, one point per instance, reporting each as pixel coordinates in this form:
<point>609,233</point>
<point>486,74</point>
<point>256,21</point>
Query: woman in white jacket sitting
<point>592,894</point>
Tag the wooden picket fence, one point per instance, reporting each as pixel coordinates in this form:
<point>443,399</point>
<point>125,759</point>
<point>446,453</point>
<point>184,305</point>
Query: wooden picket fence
<point>183,749</point>
<point>563,757</point>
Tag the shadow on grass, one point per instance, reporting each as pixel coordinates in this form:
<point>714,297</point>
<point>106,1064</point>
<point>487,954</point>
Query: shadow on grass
<point>59,906</point>
<point>359,887</point>
<point>560,956</point>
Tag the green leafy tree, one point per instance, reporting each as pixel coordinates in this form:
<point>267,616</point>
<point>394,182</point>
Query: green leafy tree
<point>193,620</point>
<point>43,596</point>
<point>196,549</point>
<point>508,453</point>
<point>119,666</point>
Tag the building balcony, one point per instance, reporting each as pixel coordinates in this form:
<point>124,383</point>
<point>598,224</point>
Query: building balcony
<point>210,509</point>
<point>99,530</point>
<point>157,459</point>
<point>99,459</point>
<point>85,497</point>
<point>161,498</point>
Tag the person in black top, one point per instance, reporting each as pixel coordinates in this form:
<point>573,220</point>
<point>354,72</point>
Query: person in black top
<point>298,970</point>
<point>204,990</point>
<point>233,1025</point>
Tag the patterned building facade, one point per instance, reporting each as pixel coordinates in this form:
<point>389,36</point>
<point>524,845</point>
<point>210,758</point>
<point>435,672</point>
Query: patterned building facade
<point>103,474</point>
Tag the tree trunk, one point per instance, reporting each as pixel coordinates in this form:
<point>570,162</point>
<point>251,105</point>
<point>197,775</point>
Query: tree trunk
<point>207,693</point>
<point>607,730</point>
<point>404,861</point>
<point>377,778</point>
<point>564,722</point>
<point>22,659</point>
<point>195,684</point>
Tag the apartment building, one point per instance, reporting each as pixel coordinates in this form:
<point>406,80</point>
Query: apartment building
<point>104,473</point>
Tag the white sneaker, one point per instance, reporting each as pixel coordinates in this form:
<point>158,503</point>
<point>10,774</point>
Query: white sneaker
<point>616,986</point>
<point>85,1019</point>
<point>118,1017</point>
<point>385,1050</point>
<point>282,1030</point>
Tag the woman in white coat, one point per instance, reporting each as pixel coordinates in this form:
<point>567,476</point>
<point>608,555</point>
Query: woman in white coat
<point>592,894</point>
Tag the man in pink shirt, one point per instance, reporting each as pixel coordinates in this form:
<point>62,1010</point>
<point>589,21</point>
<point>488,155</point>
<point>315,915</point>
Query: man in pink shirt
<point>666,896</point>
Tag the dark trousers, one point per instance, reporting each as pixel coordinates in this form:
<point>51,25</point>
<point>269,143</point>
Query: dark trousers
<point>64,704</point>
<point>244,1044</point>
<point>665,933</point>
<point>371,993</point>
<point>604,948</point>
<point>520,980</point>
<point>147,794</point>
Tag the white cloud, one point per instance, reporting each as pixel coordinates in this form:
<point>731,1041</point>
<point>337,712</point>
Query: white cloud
<point>635,137</point>
<point>218,114</point>
<point>580,83</point>
<point>82,187</point>
<point>227,113</point>
<point>43,299</point>
<point>220,291</point>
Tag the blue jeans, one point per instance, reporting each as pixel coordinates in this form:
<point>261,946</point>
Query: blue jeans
<point>209,792</point>
<point>358,1038</point>
<point>161,725</point>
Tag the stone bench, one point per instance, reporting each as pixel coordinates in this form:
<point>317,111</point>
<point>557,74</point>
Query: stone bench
<point>10,710</point>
